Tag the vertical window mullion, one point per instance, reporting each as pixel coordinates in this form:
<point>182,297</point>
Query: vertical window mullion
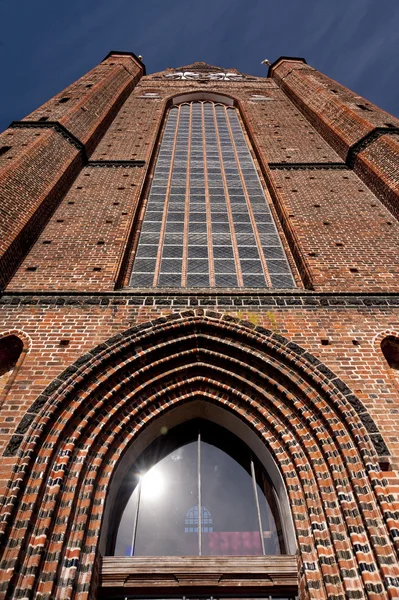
<point>228,205</point>
<point>262,542</point>
<point>199,497</point>
<point>166,205</point>
<point>136,518</point>
<point>208,207</point>
<point>249,206</point>
<point>187,202</point>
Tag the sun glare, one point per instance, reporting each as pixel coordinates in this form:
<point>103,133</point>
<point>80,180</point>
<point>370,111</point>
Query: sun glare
<point>152,483</point>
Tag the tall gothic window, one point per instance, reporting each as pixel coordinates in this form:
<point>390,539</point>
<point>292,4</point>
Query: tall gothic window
<point>207,221</point>
<point>198,491</point>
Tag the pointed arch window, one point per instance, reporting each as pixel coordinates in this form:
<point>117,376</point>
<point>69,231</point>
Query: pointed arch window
<point>192,520</point>
<point>390,350</point>
<point>199,491</point>
<point>208,222</point>
<point>11,348</point>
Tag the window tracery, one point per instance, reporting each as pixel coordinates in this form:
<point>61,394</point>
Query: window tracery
<point>229,76</point>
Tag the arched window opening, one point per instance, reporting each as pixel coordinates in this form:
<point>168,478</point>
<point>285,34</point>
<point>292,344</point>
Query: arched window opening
<point>192,520</point>
<point>390,350</point>
<point>197,491</point>
<point>208,222</point>
<point>10,350</point>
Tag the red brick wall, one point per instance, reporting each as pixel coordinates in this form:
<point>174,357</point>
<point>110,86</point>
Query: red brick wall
<point>42,162</point>
<point>353,351</point>
<point>63,302</point>
<point>349,123</point>
<point>328,214</point>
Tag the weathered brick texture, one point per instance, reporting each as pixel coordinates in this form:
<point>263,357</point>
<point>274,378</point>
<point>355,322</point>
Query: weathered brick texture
<point>44,158</point>
<point>303,369</point>
<point>348,122</point>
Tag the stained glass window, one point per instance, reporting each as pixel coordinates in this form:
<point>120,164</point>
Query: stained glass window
<point>208,222</point>
<point>192,520</point>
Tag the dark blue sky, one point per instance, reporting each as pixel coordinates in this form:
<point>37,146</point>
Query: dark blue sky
<point>47,44</point>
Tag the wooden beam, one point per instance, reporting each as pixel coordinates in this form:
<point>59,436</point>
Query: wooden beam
<point>168,573</point>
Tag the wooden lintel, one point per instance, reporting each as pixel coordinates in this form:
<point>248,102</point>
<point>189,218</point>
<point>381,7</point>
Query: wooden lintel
<point>199,572</point>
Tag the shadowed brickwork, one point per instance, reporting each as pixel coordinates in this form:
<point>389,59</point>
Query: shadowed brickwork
<point>100,362</point>
<point>44,160</point>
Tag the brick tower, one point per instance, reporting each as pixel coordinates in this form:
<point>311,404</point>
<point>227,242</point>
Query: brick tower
<point>200,261</point>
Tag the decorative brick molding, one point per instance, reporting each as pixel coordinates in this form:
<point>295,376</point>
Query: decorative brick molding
<point>366,140</point>
<point>59,128</point>
<point>318,432</point>
<point>116,163</point>
<point>308,166</point>
<point>178,298</point>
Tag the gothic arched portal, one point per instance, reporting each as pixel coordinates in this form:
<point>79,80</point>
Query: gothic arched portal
<point>77,433</point>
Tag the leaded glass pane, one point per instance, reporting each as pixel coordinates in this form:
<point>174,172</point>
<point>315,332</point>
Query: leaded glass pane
<point>207,209</point>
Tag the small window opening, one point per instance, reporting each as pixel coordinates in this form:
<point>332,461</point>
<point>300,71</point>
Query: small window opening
<point>325,342</point>
<point>390,350</point>
<point>385,465</point>
<point>47,242</point>
<point>353,270</point>
<point>363,107</point>
<point>42,119</point>
<point>10,350</point>
<point>97,269</point>
<point>64,99</point>
<point>64,343</point>
<point>4,149</point>
<point>31,268</point>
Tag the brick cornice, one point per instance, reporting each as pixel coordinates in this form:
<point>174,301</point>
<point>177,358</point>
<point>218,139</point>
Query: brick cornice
<point>308,166</point>
<point>124,53</point>
<point>61,129</point>
<point>116,163</point>
<point>193,298</point>
<point>366,140</point>
<point>281,59</point>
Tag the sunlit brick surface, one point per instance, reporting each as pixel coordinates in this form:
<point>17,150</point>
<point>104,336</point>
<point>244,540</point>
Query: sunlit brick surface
<point>103,360</point>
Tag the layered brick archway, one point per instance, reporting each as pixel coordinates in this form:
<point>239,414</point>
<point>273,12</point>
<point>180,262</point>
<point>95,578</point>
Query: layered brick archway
<point>71,440</point>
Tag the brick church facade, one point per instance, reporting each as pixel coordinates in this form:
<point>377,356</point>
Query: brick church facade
<point>200,245</point>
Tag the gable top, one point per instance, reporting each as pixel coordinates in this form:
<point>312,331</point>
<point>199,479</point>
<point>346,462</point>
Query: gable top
<point>203,70</point>
<point>203,67</point>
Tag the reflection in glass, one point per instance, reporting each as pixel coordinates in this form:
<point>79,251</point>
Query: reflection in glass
<point>227,491</point>
<point>199,492</point>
